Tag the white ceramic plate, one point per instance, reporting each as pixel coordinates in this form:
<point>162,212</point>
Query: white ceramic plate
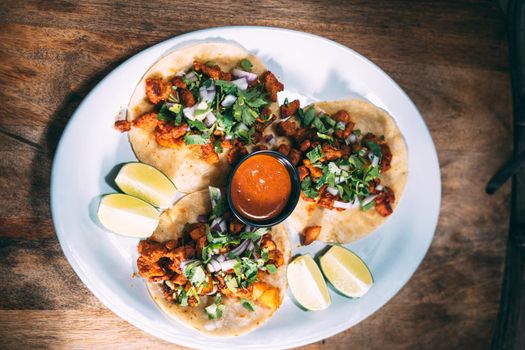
<point>312,68</point>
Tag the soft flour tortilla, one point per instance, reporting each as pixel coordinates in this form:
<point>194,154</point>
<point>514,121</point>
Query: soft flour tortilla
<point>184,166</point>
<point>352,224</point>
<point>236,319</point>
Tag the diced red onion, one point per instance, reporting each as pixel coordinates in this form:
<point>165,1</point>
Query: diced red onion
<point>169,104</point>
<point>268,138</point>
<point>228,100</point>
<point>368,199</point>
<point>375,161</point>
<point>228,264</point>
<point>241,83</point>
<point>221,258</point>
<point>202,218</point>
<point>243,74</point>
<point>333,191</point>
<point>379,187</point>
<point>342,205</point>
<point>210,119</point>
<point>241,248</point>
<point>216,224</point>
<point>222,226</point>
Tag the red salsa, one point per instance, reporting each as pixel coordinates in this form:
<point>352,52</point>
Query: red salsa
<point>260,187</point>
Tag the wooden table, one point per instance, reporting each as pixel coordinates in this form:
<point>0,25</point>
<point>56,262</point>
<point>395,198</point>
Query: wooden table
<point>450,57</point>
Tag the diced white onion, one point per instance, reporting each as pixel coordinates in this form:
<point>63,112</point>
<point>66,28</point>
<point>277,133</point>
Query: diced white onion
<point>228,137</point>
<point>342,205</point>
<point>241,126</point>
<point>203,93</point>
<point>333,191</point>
<point>370,156</point>
<point>243,74</point>
<point>379,187</point>
<point>191,76</point>
<point>355,203</point>
<point>210,119</point>
<point>228,100</point>
<point>340,125</point>
<point>368,199</point>
<point>189,113</point>
<point>241,83</point>
<point>351,139</point>
<point>375,161</point>
<point>228,264</point>
<point>344,167</point>
<point>221,258</point>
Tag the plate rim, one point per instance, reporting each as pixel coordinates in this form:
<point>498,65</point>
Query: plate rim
<point>432,153</point>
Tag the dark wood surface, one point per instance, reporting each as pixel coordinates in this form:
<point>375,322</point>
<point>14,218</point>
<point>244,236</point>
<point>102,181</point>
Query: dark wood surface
<point>449,56</point>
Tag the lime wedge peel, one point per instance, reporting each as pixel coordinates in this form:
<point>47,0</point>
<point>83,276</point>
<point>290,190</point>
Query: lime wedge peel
<point>127,215</point>
<point>147,183</point>
<point>307,283</point>
<point>346,272</point>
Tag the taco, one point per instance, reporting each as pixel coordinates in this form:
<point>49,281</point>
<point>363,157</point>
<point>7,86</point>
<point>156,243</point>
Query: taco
<point>211,272</point>
<point>198,110</point>
<point>353,167</point>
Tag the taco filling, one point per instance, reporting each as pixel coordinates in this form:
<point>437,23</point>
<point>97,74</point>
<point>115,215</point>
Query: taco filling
<point>206,106</point>
<point>340,167</point>
<point>214,259</point>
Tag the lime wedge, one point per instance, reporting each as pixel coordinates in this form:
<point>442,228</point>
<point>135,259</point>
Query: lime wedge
<point>346,272</point>
<point>127,215</point>
<point>307,283</point>
<point>147,183</point>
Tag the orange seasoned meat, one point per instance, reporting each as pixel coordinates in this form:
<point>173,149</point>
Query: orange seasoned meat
<point>305,145</point>
<point>326,199</point>
<point>330,152</point>
<point>284,149</point>
<point>236,226</point>
<point>314,171</point>
<point>122,125</point>
<point>310,234</point>
<point>147,120</point>
<point>294,156</point>
<point>157,90</point>
<point>179,279</point>
<point>235,154</point>
<point>286,128</point>
<point>170,136</point>
<point>213,71</point>
<point>289,109</point>
<point>383,202</point>
<point>196,230</point>
<point>179,83</point>
<point>149,269</point>
<point>386,158</point>
<point>272,85</point>
<point>209,154</point>
<point>303,172</point>
<point>187,98</point>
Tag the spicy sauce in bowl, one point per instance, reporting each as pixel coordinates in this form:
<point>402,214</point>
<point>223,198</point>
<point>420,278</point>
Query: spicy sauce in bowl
<point>263,189</point>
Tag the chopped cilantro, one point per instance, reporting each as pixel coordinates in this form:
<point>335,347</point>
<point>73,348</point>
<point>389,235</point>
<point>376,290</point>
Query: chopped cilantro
<point>315,154</point>
<point>194,139</point>
<point>271,268</point>
<point>307,188</point>
<point>248,304</point>
<point>246,65</point>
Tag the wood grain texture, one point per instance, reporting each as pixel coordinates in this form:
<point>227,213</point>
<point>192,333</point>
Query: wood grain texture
<point>449,56</point>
